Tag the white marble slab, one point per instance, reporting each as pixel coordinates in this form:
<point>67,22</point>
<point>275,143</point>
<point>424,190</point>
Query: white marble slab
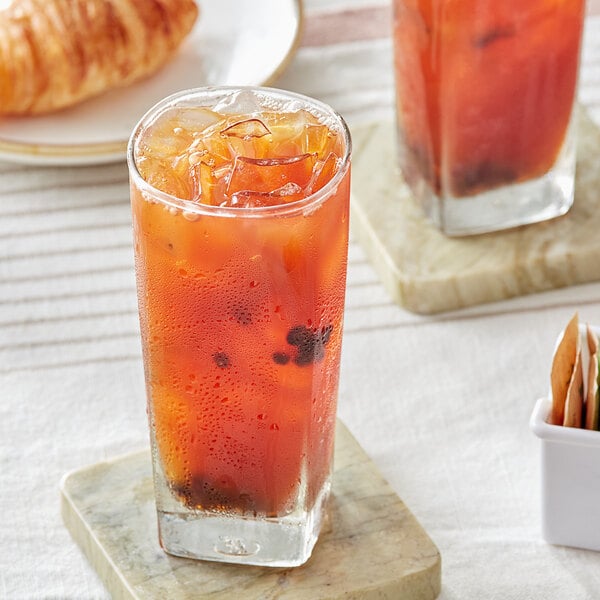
<point>427,272</point>
<point>374,548</point>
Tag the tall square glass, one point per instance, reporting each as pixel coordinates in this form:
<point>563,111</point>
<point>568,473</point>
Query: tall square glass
<point>241,310</point>
<point>485,98</point>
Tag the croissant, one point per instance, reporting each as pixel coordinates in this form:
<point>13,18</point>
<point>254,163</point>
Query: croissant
<point>55,53</point>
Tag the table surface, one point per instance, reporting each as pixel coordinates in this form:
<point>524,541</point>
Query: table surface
<point>441,404</point>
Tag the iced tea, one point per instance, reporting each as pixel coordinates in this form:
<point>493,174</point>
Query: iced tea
<point>240,212</point>
<point>485,94</point>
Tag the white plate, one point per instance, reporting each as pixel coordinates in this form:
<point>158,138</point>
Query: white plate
<point>234,42</point>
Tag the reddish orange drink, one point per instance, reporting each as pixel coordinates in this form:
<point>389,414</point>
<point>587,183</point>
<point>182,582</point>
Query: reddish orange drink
<point>485,89</point>
<point>241,233</point>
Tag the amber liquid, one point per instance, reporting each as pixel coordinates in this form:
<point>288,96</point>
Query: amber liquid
<point>241,316</point>
<point>485,89</point>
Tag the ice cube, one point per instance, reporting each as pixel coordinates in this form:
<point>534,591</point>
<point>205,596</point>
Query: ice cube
<point>320,139</point>
<point>289,189</point>
<point>270,174</point>
<point>289,128</point>
<point>250,199</point>
<point>196,119</point>
<point>239,102</point>
<point>323,171</point>
<point>196,157</point>
<point>249,128</point>
<point>211,184</point>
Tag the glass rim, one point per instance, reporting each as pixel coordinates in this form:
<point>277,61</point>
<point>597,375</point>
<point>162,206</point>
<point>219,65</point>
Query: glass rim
<point>190,206</point>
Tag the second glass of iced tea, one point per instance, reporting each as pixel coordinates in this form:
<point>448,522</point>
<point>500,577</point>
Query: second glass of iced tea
<point>240,212</point>
<point>485,97</point>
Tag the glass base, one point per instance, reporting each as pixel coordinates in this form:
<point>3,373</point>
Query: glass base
<point>508,206</point>
<point>545,198</point>
<point>276,542</point>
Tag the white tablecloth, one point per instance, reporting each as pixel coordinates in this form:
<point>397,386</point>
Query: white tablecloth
<point>440,403</point>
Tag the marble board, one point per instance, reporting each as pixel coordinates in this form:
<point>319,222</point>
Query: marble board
<point>427,272</point>
<point>372,547</point>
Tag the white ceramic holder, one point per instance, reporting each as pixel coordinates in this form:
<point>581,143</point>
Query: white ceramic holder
<point>570,481</point>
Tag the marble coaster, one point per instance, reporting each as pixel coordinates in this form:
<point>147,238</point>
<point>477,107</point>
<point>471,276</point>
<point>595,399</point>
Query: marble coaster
<point>426,272</point>
<point>373,548</point>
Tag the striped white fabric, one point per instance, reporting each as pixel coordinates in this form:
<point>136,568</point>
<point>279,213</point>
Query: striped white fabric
<point>440,403</point>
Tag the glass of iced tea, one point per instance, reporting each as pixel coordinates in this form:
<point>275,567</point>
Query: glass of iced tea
<point>485,106</point>
<point>240,213</point>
